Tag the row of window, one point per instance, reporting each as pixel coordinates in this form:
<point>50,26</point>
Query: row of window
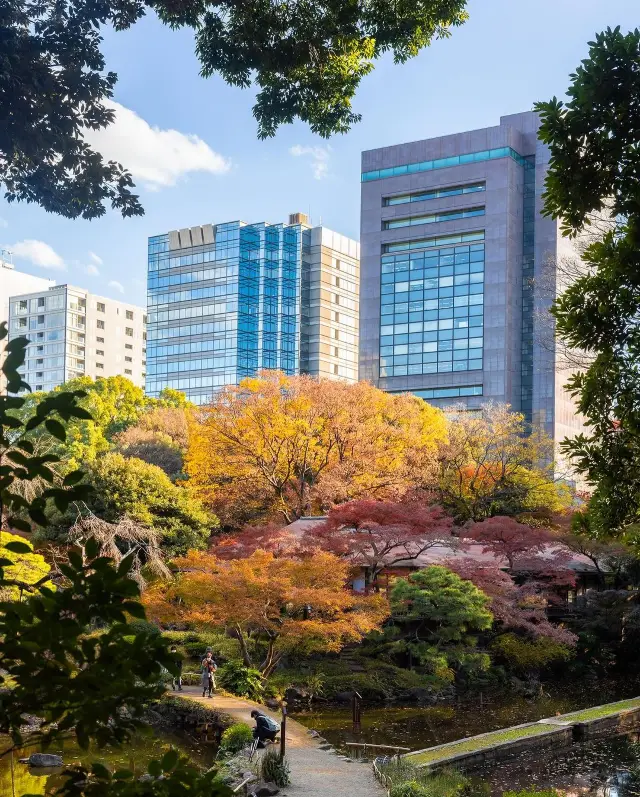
<point>153,387</point>
<point>210,292</point>
<point>448,392</point>
<point>436,241</point>
<point>436,193</point>
<point>440,367</point>
<point>223,360</point>
<point>444,163</point>
<point>186,277</point>
<point>433,218</point>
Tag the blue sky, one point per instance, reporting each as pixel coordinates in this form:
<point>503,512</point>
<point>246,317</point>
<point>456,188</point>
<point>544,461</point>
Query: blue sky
<point>192,145</point>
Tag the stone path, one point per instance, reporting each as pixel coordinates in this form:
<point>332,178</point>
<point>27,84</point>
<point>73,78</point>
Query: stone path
<point>314,772</point>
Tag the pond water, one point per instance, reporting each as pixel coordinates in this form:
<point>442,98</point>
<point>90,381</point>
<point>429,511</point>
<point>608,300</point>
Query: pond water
<point>419,727</point>
<point>607,768</point>
<point>17,779</point>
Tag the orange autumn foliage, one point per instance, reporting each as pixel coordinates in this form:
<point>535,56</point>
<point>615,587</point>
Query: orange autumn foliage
<point>281,446</point>
<point>290,605</point>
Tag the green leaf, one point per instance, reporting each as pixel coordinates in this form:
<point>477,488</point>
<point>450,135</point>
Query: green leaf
<point>169,760</point>
<point>134,609</point>
<point>154,769</point>
<point>100,771</point>
<point>15,546</point>
<point>56,429</point>
<point>20,525</point>
<point>73,478</point>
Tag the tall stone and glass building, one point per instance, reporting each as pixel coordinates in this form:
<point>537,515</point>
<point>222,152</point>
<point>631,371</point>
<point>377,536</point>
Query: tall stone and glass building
<point>453,245</point>
<point>227,300</point>
<point>75,333</point>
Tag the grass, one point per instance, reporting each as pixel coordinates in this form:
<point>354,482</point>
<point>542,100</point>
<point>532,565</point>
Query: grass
<point>601,711</point>
<point>478,743</point>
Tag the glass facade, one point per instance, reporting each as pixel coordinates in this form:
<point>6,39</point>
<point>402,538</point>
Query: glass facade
<point>436,193</point>
<point>433,218</point>
<point>528,267</point>
<point>238,312</point>
<point>432,308</point>
<point>444,163</point>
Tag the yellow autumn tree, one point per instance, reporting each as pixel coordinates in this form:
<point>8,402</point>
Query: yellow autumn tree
<point>286,605</point>
<point>27,568</point>
<point>291,446</point>
<point>492,464</point>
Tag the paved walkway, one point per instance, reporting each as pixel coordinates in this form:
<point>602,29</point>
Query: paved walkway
<point>314,772</point>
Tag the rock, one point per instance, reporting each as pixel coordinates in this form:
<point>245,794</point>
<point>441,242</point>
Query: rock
<point>271,702</point>
<point>296,694</point>
<point>313,734</point>
<point>419,695</point>
<point>45,760</point>
<point>265,790</point>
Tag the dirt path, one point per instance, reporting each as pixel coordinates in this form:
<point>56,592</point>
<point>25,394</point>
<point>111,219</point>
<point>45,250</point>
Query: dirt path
<point>314,772</point>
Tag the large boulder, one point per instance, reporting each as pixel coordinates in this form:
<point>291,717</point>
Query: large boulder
<point>45,760</point>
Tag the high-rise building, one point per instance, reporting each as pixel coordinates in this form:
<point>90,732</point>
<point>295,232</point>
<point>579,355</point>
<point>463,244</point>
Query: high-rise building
<point>13,282</point>
<point>227,300</point>
<point>453,247</point>
<point>75,333</point>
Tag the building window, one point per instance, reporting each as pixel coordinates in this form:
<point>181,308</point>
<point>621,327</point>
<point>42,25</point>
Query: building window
<point>22,322</point>
<point>128,359</point>
<point>128,371</point>
<point>38,387</point>
<point>431,311</point>
<point>40,319</point>
<point>436,193</point>
<point>23,306</point>
<point>39,374</point>
<point>128,346</point>
<point>99,353</point>
<point>99,340</point>
<point>40,361</point>
<point>445,163</point>
<point>144,319</point>
<point>432,218</point>
<point>100,324</point>
<point>99,365</point>
<point>101,307</point>
<point>449,392</point>
<point>41,301</point>
<point>130,315</point>
<point>128,331</point>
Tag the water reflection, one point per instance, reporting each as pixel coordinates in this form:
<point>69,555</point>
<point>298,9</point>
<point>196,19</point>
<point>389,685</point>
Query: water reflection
<point>17,779</point>
<point>606,768</point>
<point>419,727</point>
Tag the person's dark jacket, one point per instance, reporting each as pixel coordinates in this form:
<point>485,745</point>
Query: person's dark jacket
<point>263,728</point>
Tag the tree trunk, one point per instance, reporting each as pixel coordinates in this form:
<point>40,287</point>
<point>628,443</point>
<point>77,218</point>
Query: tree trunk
<point>271,661</point>
<point>246,658</point>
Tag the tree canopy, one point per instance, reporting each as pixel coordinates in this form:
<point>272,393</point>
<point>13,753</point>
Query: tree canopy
<point>292,606</point>
<point>306,60</point>
<point>593,169</point>
<point>131,488</point>
<point>492,464</point>
<point>27,568</point>
<point>288,446</point>
<point>436,614</point>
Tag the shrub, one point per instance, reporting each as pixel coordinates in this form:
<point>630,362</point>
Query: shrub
<point>194,644</point>
<point>241,680</point>
<point>409,789</point>
<point>526,655</point>
<point>273,769</point>
<point>235,739</point>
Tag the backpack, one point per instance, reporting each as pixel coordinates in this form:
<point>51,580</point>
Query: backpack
<point>271,723</point>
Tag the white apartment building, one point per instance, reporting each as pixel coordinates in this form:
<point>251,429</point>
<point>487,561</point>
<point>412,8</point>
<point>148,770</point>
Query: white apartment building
<point>14,282</point>
<point>75,333</point>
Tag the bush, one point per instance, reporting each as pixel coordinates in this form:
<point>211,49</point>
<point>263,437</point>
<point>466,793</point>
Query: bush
<point>409,789</point>
<point>235,739</point>
<point>273,769</point>
<point>193,645</point>
<point>240,680</point>
<point>525,655</point>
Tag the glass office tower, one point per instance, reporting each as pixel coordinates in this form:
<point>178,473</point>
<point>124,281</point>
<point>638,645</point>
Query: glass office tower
<point>226,301</point>
<point>458,275</point>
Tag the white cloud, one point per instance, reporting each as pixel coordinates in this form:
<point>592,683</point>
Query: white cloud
<point>39,253</point>
<point>156,157</point>
<point>91,270</point>
<point>319,159</point>
<point>95,258</point>
<point>118,286</point>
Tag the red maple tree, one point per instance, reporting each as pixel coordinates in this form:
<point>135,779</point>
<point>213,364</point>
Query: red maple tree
<point>515,607</point>
<point>380,534</point>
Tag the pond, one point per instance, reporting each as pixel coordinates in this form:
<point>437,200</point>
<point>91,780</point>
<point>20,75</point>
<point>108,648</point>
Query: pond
<point>419,727</point>
<point>603,768</point>
<point>17,779</point>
